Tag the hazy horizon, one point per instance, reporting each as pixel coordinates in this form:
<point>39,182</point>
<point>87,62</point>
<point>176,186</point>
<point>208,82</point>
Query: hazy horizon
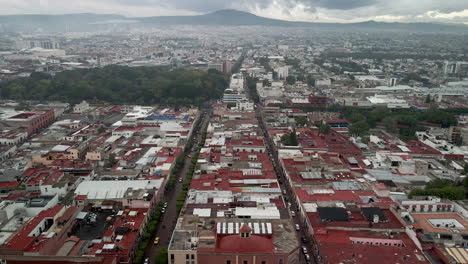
<point>345,11</point>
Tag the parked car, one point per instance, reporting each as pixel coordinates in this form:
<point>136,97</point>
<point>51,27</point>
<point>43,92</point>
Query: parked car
<point>293,214</point>
<point>156,240</point>
<point>304,250</point>
<point>298,227</point>
<point>304,240</point>
<point>146,261</point>
<point>307,257</point>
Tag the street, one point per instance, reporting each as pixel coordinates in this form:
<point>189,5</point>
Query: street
<point>285,185</point>
<point>168,220</point>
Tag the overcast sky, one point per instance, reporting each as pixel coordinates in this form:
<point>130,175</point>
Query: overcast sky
<point>299,10</point>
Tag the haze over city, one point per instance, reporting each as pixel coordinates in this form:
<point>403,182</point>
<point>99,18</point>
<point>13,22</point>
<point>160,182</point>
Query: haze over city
<point>451,11</point>
<point>233,132</point>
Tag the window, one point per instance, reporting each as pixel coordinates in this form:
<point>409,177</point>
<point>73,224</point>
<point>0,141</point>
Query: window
<point>228,262</point>
<point>246,262</point>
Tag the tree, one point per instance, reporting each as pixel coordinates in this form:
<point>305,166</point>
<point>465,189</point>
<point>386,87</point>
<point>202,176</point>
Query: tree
<point>293,137</point>
<point>310,81</point>
<point>359,128</point>
<point>290,139</point>
<point>390,124</point>
<point>377,115</point>
<point>101,129</point>
<point>356,117</point>
<point>119,85</point>
<point>300,120</point>
<point>111,161</point>
<point>458,140</point>
<point>465,181</point>
<point>465,171</point>
<point>324,129</point>
<point>161,258</point>
<point>438,183</point>
<point>252,88</point>
<point>442,188</point>
<point>365,140</point>
<point>230,105</point>
<point>428,99</point>
<point>290,80</point>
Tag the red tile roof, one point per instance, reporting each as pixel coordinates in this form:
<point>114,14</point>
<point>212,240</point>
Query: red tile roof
<point>235,243</point>
<point>23,241</point>
<point>336,246</point>
<point>9,185</point>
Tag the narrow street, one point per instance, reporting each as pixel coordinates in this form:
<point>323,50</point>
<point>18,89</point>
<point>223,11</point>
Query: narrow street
<point>285,185</point>
<point>168,219</point>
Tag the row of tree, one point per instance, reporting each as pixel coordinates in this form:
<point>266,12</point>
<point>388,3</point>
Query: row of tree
<point>120,85</point>
<point>404,122</point>
<point>443,188</point>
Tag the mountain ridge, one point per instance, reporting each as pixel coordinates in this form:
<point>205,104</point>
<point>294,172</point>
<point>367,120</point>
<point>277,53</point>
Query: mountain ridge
<point>225,17</point>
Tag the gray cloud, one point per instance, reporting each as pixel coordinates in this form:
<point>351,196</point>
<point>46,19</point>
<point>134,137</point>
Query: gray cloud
<point>338,4</point>
<point>307,10</point>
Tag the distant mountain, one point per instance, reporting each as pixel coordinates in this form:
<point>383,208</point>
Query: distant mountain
<point>55,23</point>
<point>228,17</point>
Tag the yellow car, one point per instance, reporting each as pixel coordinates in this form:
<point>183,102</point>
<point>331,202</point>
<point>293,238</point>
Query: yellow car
<point>156,240</point>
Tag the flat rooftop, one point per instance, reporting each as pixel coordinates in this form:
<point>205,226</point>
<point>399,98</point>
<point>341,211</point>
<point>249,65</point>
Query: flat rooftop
<point>441,222</point>
<point>284,234</point>
<point>367,247</point>
<point>98,190</point>
<point>23,115</point>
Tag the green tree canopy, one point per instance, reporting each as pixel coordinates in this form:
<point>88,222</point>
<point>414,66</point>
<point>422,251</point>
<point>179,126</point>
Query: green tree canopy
<point>290,139</point>
<point>300,120</point>
<point>290,80</point>
<point>161,258</point>
<point>359,128</point>
<point>442,188</point>
<point>119,85</point>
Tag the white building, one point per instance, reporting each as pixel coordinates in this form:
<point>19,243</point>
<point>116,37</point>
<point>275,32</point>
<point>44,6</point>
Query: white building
<point>110,190</point>
<point>282,72</point>
<point>387,101</point>
<point>323,82</point>
<point>81,107</point>
<point>245,105</point>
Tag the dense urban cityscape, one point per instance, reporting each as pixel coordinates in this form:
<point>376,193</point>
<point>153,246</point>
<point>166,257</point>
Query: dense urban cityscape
<point>233,144</point>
